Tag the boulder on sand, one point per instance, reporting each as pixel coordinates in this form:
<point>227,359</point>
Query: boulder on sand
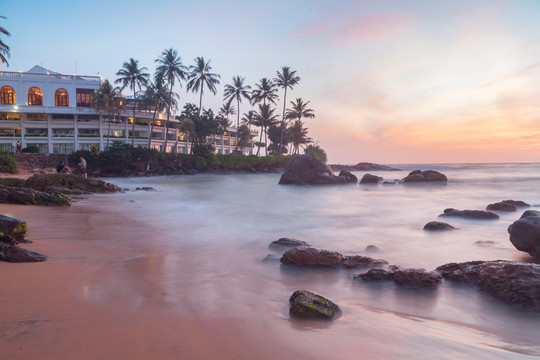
<point>25,196</point>
<point>12,230</point>
<point>12,253</point>
<point>308,305</point>
<point>303,169</point>
<point>525,232</point>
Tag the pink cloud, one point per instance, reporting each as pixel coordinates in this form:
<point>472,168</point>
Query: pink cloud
<point>365,27</point>
<point>312,30</point>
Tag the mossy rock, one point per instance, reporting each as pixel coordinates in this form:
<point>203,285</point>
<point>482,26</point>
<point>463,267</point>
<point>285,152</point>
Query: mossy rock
<point>307,305</point>
<point>10,226</point>
<point>11,182</point>
<point>42,182</point>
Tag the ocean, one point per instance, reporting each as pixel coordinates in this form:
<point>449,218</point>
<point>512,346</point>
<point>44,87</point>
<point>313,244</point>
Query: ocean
<point>208,259</point>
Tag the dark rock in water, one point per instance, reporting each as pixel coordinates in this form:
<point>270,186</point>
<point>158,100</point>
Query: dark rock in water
<point>517,203</point>
<point>12,230</point>
<point>66,191</point>
<point>42,181</point>
<point>308,305</point>
<point>287,243</point>
<point>512,282</point>
<point>311,257</point>
<point>370,179</point>
<point>16,254</point>
<point>361,261</point>
<point>145,188</point>
<point>26,196</point>
<point>363,166</point>
<point>425,176</point>
<point>485,243</point>
<point>502,206</point>
<point>525,232</point>
<point>376,275</point>
<point>349,176</point>
<point>416,278</point>
<point>303,169</point>
<point>270,258</point>
<point>470,214</point>
<point>372,248</point>
<point>438,226</point>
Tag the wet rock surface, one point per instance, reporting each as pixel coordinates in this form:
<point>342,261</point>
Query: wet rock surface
<point>286,243</point>
<point>425,176</point>
<point>370,179</point>
<point>12,233</point>
<point>438,226</point>
<point>25,196</point>
<point>303,169</point>
<point>356,261</point>
<point>307,305</point>
<point>515,283</point>
<point>470,214</point>
<point>308,256</point>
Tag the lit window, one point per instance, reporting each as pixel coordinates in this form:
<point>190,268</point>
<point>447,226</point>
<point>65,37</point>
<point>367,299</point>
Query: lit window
<point>8,95</point>
<point>35,96</point>
<point>61,97</point>
<point>84,97</point>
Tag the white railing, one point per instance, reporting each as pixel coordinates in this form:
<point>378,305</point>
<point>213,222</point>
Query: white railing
<point>25,75</point>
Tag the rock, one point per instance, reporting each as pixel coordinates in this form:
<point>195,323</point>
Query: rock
<point>376,275</point>
<point>12,230</point>
<point>416,278</point>
<point>145,188</point>
<point>438,226</point>
<point>470,214</point>
<point>372,249</point>
<point>484,243</point>
<point>73,182</point>
<point>361,261</point>
<point>27,196</point>
<point>303,255</point>
<point>308,305</point>
<point>270,259</point>
<point>425,176</point>
<point>525,232</point>
<point>517,203</point>
<point>349,176</point>
<point>16,254</point>
<point>370,179</point>
<point>303,169</point>
<point>286,243</point>
<point>502,206</point>
<point>512,282</point>
<point>363,166</point>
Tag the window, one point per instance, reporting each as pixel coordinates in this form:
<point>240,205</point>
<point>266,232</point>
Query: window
<point>91,147</point>
<point>36,132</point>
<point>63,148</point>
<point>10,116</point>
<point>43,148</point>
<point>84,97</point>
<point>63,116</point>
<point>88,132</point>
<point>10,132</point>
<point>86,118</point>
<point>63,132</point>
<point>36,117</point>
<point>35,96</point>
<point>8,95</point>
<point>61,97</point>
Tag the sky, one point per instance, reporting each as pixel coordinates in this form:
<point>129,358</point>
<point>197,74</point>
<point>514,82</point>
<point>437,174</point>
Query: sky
<point>390,81</point>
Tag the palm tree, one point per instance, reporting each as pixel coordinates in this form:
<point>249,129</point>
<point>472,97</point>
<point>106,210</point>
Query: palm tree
<point>130,75</point>
<point>226,110</point>
<point>237,91</point>
<point>286,79</point>
<point>248,118</point>
<point>170,66</point>
<point>266,90</point>
<point>299,110</point>
<point>156,97</point>
<point>107,98</point>
<point>4,49</point>
<point>297,134</point>
<point>265,118</point>
<point>199,76</point>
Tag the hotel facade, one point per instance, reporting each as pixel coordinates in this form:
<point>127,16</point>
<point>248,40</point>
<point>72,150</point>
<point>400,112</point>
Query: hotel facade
<point>53,112</point>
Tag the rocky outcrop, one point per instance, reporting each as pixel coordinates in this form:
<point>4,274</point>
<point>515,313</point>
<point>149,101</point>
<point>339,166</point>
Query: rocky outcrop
<point>303,169</point>
<point>27,196</point>
<point>356,261</point>
<point>12,232</point>
<point>512,282</point>
<point>307,256</point>
<point>470,214</point>
<point>307,305</point>
<point>438,226</point>
<point>370,179</point>
<point>507,205</point>
<point>363,166</point>
<point>43,182</point>
<point>286,243</point>
<point>414,278</point>
<point>424,176</point>
<point>525,232</point>
<point>348,176</point>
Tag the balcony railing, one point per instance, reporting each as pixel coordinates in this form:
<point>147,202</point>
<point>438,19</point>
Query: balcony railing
<point>25,75</point>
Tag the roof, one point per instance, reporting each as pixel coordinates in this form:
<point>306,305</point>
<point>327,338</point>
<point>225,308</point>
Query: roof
<point>41,70</point>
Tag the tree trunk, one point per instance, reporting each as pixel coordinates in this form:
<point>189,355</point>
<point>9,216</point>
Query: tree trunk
<point>168,118</point>
<point>152,128</point>
<point>283,120</point>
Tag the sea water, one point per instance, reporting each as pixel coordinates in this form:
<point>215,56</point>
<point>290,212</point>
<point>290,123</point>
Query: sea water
<point>211,244</point>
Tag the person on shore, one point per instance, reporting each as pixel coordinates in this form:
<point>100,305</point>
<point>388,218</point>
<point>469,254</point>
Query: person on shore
<point>82,165</point>
<point>62,168</point>
<point>18,146</point>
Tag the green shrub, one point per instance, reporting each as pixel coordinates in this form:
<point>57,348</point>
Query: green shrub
<point>8,164</point>
<point>31,149</point>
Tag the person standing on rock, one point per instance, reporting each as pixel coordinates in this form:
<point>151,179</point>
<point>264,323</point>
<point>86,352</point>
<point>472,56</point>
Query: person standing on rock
<point>82,164</point>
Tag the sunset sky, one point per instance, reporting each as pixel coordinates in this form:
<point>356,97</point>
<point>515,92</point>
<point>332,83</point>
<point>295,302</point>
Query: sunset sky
<point>390,81</point>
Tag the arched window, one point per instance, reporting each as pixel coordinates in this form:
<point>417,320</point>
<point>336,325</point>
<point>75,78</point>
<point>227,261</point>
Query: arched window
<point>8,95</point>
<point>61,97</point>
<point>35,96</point>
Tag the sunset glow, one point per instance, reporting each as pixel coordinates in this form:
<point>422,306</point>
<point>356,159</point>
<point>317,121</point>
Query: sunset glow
<point>390,81</point>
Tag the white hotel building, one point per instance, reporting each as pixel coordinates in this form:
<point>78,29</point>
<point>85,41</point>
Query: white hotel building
<point>52,111</point>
